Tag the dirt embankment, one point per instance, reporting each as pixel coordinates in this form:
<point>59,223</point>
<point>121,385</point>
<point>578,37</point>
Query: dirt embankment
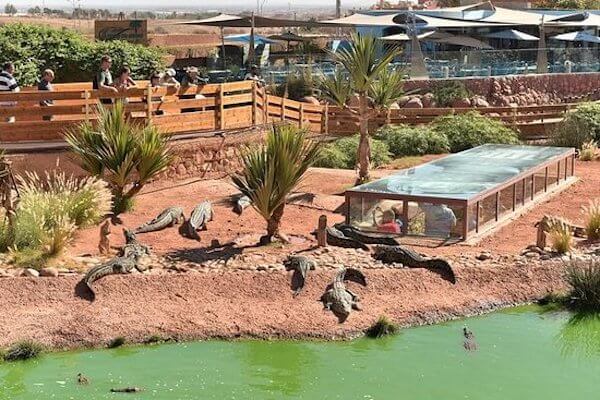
<point>252,304</point>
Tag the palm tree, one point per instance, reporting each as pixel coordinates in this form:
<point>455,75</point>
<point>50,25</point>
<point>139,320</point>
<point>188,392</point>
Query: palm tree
<point>365,72</point>
<point>271,171</point>
<point>126,154</point>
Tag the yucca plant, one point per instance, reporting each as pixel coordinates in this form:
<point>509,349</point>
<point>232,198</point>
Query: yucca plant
<point>592,214</point>
<point>126,154</point>
<point>588,151</point>
<point>365,72</point>
<point>271,171</point>
<point>561,237</point>
<point>584,280</point>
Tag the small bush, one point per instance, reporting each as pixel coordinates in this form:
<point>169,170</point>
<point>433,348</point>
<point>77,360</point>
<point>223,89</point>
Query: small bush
<point>152,339</point>
<point>446,92</point>
<point>592,214</point>
<point>404,140</point>
<point>343,153</point>
<point>472,129</point>
<point>561,237</point>
<point>588,151</point>
<point>584,280</point>
<point>116,342</point>
<point>298,87</point>
<point>24,350</point>
<point>383,327</point>
<point>579,126</point>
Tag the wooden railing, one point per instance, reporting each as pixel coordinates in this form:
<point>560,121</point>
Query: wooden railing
<point>226,106</point>
<point>203,108</point>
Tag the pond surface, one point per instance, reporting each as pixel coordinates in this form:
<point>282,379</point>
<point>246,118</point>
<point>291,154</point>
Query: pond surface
<point>523,353</point>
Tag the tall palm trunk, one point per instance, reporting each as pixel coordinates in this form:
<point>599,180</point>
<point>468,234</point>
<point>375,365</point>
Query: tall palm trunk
<point>273,225</point>
<point>364,146</point>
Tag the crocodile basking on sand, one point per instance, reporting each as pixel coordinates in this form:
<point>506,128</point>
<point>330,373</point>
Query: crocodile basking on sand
<point>411,259</point>
<point>366,237</point>
<point>124,263</point>
<point>167,218</point>
<point>300,265</point>
<point>337,238</point>
<point>201,215</point>
<point>339,299</point>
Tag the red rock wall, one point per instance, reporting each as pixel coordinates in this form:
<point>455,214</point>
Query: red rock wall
<point>526,89</point>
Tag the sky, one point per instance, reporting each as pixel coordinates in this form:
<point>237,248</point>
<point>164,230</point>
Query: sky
<point>194,4</point>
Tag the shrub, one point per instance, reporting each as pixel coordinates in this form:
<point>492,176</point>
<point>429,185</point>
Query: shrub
<point>383,327</point>
<point>153,339</point>
<point>342,153</point>
<point>561,237</point>
<point>592,214</point>
<point>584,280</point>
<point>71,55</point>
<point>116,342</point>
<point>298,87</point>
<point>579,126</point>
<point>446,92</point>
<point>588,151</point>
<point>126,154</point>
<point>472,129</point>
<point>404,140</point>
<point>24,350</point>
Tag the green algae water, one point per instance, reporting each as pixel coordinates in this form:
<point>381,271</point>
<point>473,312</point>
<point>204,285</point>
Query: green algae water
<point>523,353</point>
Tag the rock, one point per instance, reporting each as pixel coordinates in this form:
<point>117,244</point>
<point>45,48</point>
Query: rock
<point>414,102</point>
<point>310,100</point>
<point>4,273</point>
<point>49,272</point>
<point>479,102</point>
<point>428,100</point>
<point>31,273</point>
<point>403,100</point>
<point>461,103</point>
<point>181,170</point>
<point>484,256</point>
<point>394,106</point>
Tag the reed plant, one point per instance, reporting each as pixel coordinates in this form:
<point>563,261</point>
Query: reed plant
<point>589,151</point>
<point>23,350</point>
<point>561,237</point>
<point>592,216</point>
<point>383,327</point>
<point>584,280</point>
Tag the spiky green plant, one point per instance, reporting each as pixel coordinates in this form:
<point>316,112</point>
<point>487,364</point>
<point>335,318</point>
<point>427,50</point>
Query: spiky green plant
<point>584,280</point>
<point>271,171</point>
<point>23,350</point>
<point>365,73</point>
<point>588,151</point>
<point>561,237</point>
<point>592,215</point>
<point>383,327</point>
<point>126,154</point>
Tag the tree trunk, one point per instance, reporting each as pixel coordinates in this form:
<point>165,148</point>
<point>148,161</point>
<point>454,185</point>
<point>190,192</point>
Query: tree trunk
<point>364,147</point>
<point>273,225</point>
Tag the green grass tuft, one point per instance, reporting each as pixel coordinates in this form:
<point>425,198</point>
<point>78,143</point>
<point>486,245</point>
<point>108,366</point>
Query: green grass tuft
<point>24,350</point>
<point>383,327</point>
<point>116,342</point>
<point>584,280</point>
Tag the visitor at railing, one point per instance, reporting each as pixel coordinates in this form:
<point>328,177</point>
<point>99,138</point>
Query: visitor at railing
<point>191,79</point>
<point>124,82</point>
<point>103,80</point>
<point>254,75</point>
<point>45,84</point>
<point>8,83</point>
<point>168,79</point>
<point>155,82</point>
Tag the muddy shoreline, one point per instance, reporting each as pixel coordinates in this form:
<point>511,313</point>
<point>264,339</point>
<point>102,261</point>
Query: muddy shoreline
<point>249,304</point>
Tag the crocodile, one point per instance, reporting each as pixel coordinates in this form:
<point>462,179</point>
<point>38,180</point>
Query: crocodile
<point>411,259</point>
<point>300,265</point>
<point>124,263</point>
<point>335,237</point>
<point>241,203</point>
<point>168,217</point>
<point>201,215</point>
<point>338,298</point>
<point>131,389</point>
<point>469,343</point>
<point>366,237</point>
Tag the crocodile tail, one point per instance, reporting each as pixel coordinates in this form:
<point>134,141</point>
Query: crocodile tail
<point>350,274</point>
<point>96,273</point>
<point>442,268</point>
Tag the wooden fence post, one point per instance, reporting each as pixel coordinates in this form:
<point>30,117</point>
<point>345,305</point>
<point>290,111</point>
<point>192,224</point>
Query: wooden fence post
<point>283,108</point>
<point>265,106</point>
<point>254,106</point>
<point>322,231</point>
<point>301,116</point>
<point>149,104</point>
<point>325,119</point>
<point>220,108</point>
<point>86,96</point>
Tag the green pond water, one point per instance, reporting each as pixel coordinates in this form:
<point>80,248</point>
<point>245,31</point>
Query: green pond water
<point>523,353</point>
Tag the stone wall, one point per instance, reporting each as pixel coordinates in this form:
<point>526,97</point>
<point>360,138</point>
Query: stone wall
<point>525,89</point>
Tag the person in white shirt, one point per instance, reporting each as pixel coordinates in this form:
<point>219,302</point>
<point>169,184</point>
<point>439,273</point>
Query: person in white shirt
<point>8,83</point>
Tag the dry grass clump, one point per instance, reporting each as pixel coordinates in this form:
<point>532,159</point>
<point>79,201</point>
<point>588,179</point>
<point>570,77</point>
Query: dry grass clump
<point>24,350</point>
<point>561,237</point>
<point>116,342</point>
<point>592,214</point>
<point>588,151</point>
<point>383,327</point>
<point>584,279</point>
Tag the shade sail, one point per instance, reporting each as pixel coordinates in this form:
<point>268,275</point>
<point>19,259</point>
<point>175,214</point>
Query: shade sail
<point>246,39</point>
<point>403,37</point>
<point>427,21</point>
<point>582,19</point>
<point>580,36</point>
<point>441,37</point>
<point>513,34</point>
<point>236,21</point>
<point>362,20</point>
<point>290,37</point>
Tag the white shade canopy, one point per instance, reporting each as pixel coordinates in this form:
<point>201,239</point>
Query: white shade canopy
<point>441,37</point>
<point>580,36</point>
<point>513,34</point>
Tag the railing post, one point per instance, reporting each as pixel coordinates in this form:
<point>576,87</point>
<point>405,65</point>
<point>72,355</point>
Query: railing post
<point>265,106</point>
<point>325,119</point>
<point>220,109</point>
<point>86,96</point>
<point>254,106</point>
<point>149,104</point>
<point>301,114</point>
<point>283,108</point>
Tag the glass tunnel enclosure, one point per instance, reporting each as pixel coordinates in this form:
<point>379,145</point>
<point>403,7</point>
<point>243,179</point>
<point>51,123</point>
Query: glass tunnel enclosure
<point>459,195</point>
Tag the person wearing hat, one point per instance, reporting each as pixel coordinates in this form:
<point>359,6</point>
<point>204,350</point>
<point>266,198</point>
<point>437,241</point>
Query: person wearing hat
<point>168,79</point>
<point>254,75</point>
<point>193,78</point>
<point>103,80</point>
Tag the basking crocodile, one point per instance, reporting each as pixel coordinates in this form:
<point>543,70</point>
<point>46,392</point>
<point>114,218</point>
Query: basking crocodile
<point>124,263</point>
<point>300,265</point>
<point>168,217</point>
<point>241,203</point>
<point>201,215</point>
<point>338,298</point>
<point>411,259</point>
<point>469,343</point>
<point>366,237</point>
<point>335,237</point>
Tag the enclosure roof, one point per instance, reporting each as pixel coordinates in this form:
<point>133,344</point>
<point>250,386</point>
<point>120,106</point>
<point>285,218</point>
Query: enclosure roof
<point>465,175</point>
<point>236,21</point>
<point>513,34</point>
<point>440,37</point>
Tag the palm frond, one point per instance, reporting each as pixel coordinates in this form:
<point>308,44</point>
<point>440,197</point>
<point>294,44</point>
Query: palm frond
<point>387,88</point>
<point>336,89</point>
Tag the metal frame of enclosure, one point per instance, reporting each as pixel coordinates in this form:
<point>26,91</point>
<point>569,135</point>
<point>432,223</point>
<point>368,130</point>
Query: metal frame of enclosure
<point>473,212</point>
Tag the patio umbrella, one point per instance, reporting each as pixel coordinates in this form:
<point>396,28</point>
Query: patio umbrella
<point>542,56</point>
<point>579,36</point>
<point>512,34</point>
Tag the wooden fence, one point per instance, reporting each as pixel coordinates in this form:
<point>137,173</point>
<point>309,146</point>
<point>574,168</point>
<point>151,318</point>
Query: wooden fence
<point>223,107</point>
